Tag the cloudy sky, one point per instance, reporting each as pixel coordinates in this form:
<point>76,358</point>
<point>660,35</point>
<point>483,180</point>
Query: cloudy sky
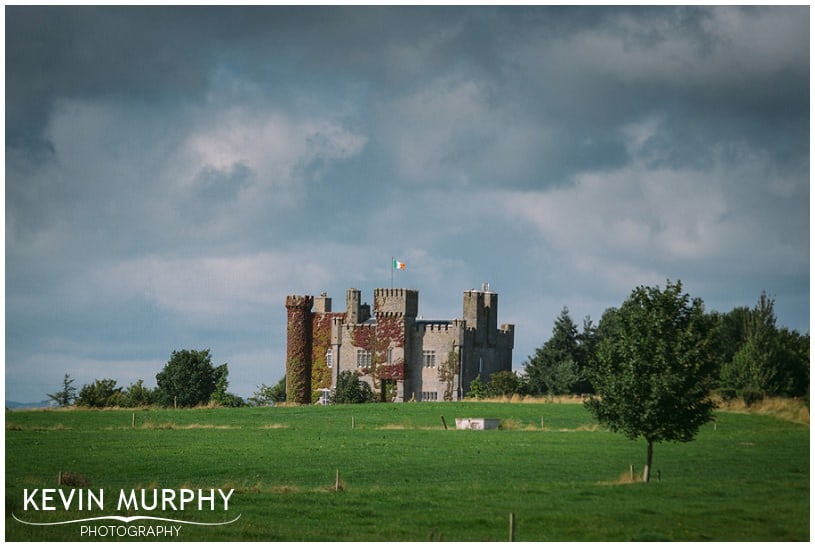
<point>173,173</point>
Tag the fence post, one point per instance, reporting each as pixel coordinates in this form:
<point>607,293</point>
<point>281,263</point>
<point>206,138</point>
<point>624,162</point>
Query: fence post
<point>444,423</point>
<point>133,421</point>
<point>512,527</point>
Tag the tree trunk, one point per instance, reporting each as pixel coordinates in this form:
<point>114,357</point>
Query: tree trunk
<point>646,474</point>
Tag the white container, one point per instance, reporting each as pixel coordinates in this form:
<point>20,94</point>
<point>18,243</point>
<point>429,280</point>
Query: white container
<point>477,423</point>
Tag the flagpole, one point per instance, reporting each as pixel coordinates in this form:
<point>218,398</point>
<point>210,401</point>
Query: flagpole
<point>392,259</point>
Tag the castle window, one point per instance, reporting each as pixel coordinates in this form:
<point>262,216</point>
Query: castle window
<point>363,358</point>
<point>429,358</point>
<point>390,356</point>
<point>329,358</point>
<point>430,396</point>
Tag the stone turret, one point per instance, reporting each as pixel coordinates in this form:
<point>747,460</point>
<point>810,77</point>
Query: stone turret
<point>481,314</point>
<point>298,348</point>
<point>396,302</point>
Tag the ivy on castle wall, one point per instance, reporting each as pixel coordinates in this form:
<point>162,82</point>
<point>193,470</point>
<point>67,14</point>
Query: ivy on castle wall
<point>393,371</point>
<point>320,344</point>
<point>298,349</point>
<point>448,371</point>
<point>389,332</point>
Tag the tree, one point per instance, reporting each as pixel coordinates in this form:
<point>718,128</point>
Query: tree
<point>504,383</point>
<point>188,379</point>
<point>769,361</point>
<point>221,396</point>
<point>793,356</point>
<point>67,395</point>
<point>350,389</point>
<point>478,390</point>
<point>268,395</point>
<point>138,395</point>
<point>728,333</point>
<point>560,377</point>
<point>587,345</point>
<point>653,379</point>
<point>101,394</point>
<point>555,368</point>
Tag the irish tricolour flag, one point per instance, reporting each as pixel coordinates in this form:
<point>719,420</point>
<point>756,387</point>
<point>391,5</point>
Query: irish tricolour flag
<point>398,265</point>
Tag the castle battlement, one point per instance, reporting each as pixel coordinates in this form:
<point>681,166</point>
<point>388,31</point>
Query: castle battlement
<point>300,301</point>
<point>388,314</point>
<point>395,293</point>
<point>355,326</point>
<point>436,326</point>
<point>397,301</point>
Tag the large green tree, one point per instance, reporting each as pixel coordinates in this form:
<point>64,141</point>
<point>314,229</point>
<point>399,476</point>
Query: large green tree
<point>188,379</point>
<point>768,360</point>
<point>653,378</point>
<point>555,368</point>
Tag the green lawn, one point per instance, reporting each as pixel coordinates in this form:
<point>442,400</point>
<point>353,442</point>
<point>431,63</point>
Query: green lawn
<point>404,478</point>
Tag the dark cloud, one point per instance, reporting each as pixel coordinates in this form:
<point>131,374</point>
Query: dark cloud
<point>153,53</point>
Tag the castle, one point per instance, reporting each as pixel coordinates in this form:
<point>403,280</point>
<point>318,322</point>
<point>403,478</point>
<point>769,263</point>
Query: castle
<point>403,357</point>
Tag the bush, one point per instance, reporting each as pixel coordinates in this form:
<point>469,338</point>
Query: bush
<point>350,389</point>
<point>727,394</point>
<point>478,390</point>
<point>100,394</point>
<point>751,396</point>
<point>269,395</point>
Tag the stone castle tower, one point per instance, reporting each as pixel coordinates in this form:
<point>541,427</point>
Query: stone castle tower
<point>401,355</point>
<point>298,348</point>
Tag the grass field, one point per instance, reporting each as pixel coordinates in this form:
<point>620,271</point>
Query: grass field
<point>404,478</point>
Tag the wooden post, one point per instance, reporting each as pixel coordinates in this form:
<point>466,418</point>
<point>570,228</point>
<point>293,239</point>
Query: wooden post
<point>444,423</point>
<point>512,527</point>
<point>133,421</point>
<point>59,478</point>
<point>337,481</point>
<point>541,422</point>
<point>631,471</point>
<point>353,422</point>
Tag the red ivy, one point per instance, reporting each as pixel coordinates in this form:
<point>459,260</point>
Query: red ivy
<point>394,371</point>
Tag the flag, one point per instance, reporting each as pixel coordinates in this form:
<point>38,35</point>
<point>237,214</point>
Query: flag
<point>398,265</point>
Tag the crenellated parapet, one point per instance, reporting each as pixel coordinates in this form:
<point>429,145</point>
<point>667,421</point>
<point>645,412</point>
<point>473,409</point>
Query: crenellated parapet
<point>401,302</point>
<point>302,302</point>
<point>506,336</point>
<point>388,314</point>
<point>437,326</point>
